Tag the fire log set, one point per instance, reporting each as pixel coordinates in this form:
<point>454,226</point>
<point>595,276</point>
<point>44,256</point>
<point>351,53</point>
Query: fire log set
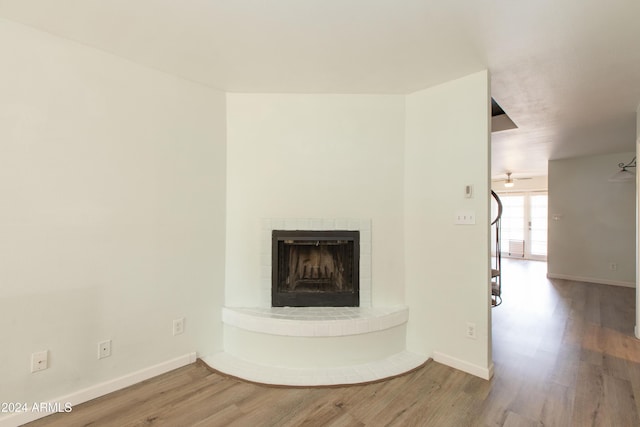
<point>316,267</point>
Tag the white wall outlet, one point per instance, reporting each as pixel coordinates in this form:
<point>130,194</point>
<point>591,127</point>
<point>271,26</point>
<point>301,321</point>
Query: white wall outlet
<point>465,217</point>
<point>178,326</point>
<point>471,330</point>
<point>39,361</point>
<point>613,266</point>
<point>104,349</point>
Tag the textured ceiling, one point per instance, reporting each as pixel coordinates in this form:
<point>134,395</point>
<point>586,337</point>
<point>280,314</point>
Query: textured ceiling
<point>566,72</point>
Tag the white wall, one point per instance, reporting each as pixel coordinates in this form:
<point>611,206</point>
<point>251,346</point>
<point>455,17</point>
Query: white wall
<point>596,220</point>
<point>115,193</point>
<point>447,265</point>
<point>112,190</point>
<point>314,156</point>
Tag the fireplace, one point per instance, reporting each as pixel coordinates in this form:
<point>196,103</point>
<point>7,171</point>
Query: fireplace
<point>315,268</point>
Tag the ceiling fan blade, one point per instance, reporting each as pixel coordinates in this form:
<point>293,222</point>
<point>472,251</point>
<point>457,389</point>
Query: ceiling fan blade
<point>512,179</point>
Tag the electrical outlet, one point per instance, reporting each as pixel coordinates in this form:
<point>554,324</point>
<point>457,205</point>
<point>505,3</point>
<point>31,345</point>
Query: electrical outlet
<point>178,326</point>
<point>613,266</point>
<point>471,330</point>
<point>39,361</point>
<point>104,349</point>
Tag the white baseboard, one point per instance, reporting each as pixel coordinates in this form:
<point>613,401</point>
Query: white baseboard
<point>92,392</point>
<point>591,280</point>
<point>470,368</point>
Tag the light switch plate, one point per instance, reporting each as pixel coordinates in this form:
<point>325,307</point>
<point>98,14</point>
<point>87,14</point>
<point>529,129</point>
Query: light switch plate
<point>464,218</point>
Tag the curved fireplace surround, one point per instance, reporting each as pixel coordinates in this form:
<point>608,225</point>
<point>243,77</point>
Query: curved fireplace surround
<point>315,268</point>
<point>309,343</point>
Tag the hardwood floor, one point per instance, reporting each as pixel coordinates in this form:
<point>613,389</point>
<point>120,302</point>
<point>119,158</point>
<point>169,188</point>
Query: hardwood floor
<point>564,355</point>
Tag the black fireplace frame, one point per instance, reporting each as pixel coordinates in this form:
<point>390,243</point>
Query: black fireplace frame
<point>322,299</point>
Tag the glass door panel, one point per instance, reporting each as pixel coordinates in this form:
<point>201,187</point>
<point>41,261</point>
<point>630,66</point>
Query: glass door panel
<point>538,224</point>
<point>524,219</point>
<point>512,220</point>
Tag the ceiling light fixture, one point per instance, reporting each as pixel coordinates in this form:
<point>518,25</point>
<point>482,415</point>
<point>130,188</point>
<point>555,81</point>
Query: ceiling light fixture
<point>624,175</point>
<point>509,181</point>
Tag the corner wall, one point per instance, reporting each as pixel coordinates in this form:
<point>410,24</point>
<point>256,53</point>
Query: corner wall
<point>382,157</point>
<point>112,182</point>
<point>447,270</point>
<point>595,223</point>
<point>314,156</point>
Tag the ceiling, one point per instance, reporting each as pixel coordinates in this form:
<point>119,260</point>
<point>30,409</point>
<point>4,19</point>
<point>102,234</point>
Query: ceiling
<point>567,72</point>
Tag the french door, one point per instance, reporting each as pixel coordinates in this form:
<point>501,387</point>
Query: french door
<point>524,225</point>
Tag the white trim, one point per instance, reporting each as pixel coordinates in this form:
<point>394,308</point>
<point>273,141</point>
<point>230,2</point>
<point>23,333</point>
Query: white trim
<point>101,389</point>
<point>463,365</point>
<point>591,280</point>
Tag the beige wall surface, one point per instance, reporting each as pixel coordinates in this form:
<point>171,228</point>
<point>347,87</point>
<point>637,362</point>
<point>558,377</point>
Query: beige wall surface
<point>112,181</point>
<point>591,220</point>
<point>447,265</point>
<point>131,198</point>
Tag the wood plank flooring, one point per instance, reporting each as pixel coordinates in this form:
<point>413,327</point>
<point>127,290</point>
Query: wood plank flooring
<point>564,355</point>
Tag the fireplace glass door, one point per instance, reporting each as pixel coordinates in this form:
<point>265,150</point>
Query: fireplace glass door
<point>315,268</point>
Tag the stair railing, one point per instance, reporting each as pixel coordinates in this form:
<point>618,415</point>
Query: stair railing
<point>496,268</point>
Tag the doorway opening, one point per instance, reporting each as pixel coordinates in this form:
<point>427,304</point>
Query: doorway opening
<point>524,225</point>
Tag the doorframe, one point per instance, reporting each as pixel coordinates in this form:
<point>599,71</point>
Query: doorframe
<point>526,222</point>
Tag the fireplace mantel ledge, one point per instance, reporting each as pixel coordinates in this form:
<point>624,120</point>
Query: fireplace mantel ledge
<point>315,321</point>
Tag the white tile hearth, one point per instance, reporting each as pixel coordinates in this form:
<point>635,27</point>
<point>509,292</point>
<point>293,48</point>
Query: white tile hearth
<point>315,321</point>
<point>391,366</point>
<point>310,346</point>
<point>315,345</point>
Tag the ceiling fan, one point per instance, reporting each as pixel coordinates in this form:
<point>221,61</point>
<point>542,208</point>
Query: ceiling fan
<point>509,182</point>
